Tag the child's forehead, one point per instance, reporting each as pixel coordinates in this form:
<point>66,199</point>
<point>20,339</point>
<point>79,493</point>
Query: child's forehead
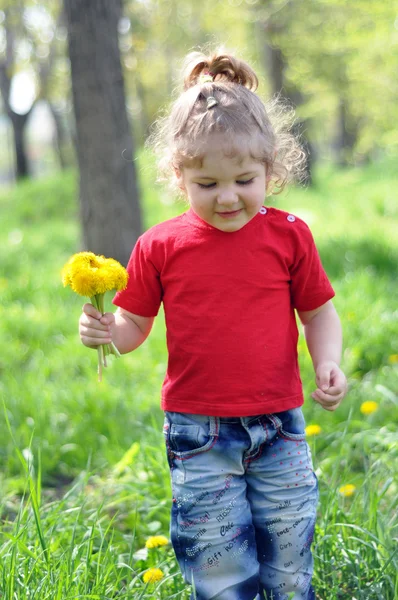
<point>239,152</point>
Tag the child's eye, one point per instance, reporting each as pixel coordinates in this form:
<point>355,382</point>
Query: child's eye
<point>206,186</point>
<point>245,182</point>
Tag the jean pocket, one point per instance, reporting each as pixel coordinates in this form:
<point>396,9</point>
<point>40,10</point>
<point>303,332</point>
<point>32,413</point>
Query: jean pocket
<point>290,424</point>
<point>185,437</point>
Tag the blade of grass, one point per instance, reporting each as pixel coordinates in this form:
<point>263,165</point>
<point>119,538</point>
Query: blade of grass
<point>32,489</point>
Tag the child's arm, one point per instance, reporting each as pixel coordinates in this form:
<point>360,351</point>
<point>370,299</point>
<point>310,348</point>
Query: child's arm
<point>324,340</point>
<point>126,330</point>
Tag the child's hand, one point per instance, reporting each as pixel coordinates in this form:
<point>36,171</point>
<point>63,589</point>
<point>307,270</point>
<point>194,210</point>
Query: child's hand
<point>95,328</point>
<point>332,385</point>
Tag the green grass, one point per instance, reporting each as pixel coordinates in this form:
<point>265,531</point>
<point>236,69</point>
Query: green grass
<point>83,475</point>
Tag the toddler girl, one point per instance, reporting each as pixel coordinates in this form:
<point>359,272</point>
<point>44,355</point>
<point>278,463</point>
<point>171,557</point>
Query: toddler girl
<point>231,273</point>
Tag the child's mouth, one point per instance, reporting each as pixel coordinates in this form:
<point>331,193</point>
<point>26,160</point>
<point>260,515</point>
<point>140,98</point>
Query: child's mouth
<point>229,215</point>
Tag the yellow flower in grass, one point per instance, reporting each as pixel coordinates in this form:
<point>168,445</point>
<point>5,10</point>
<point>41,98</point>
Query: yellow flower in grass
<point>154,541</point>
<point>91,275</point>
<point>347,490</point>
<point>393,359</point>
<point>313,430</point>
<point>153,575</point>
<point>369,407</point>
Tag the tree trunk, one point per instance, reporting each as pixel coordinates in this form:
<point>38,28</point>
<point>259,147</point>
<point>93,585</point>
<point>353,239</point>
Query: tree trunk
<point>347,135</point>
<point>18,125</point>
<point>109,198</point>
<point>21,161</point>
<point>141,94</point>
<point>59,140</point>
<point>276,65</point>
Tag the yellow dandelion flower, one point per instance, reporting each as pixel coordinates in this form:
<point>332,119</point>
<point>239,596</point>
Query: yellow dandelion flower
<point>313,430</point>
<point>393,359</point>
<point>65,275</point>
<point>347,490</point>
<point>92,275</point>
<point>368,407</point>
<point>153,575</point>
<point>115,274</point>
<point>154,541</point>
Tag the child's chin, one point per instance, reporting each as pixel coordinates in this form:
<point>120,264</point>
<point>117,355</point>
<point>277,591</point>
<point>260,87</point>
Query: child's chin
<point>233,224</point>
<point>230,227</point>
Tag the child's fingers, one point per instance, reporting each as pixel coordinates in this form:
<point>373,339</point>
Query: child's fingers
<point>107,319</point>
<point>334,390</point>
<point>93,332</point>
<point>95,328</point>
<point>91,311</point>
<point>98,340</point>
<point>91,317</point>
<point>332,393</point>
<point>329,400</point>
<point>323,379</point>
<point>332,386</point>
<point>87,323</point>
<point>329,403</point>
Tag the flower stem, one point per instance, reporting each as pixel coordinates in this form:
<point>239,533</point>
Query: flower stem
<point>98,302</point>
<point>114,350</point>
<point>99,363</point>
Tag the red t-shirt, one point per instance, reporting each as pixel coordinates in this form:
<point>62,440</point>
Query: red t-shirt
<point>229,301</point>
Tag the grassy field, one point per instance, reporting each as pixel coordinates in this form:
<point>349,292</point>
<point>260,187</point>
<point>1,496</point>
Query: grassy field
<point>84,480</point>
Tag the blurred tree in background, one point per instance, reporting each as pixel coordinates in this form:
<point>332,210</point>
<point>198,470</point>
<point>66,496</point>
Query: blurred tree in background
<point>343,57</point>
<point>28,50</point>
<point>7,65</point>
<point>336,61</point>
<point>110,211</point>
<point>34,68</point>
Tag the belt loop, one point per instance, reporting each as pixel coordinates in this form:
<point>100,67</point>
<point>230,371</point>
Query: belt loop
<point>214,426</point>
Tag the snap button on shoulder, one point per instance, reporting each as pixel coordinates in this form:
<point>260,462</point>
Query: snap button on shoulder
<point>263,210</point>
<point>291,218</point>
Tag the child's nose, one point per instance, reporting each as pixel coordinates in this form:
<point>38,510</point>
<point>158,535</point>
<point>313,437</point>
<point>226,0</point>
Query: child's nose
<point>227,197</point>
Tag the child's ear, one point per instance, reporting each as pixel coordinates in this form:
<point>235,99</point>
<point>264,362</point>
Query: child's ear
<point>180,182</point>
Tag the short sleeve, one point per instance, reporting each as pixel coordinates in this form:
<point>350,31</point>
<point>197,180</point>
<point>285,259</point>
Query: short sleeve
<point>310,286</point>
<point>144,293</point>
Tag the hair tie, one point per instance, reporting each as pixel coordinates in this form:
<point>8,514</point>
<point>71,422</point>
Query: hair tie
<point>211,101</point>
<point>206,77</point>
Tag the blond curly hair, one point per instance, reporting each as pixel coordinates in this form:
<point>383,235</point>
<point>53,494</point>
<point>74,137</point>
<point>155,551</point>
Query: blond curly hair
<point>238,114</point>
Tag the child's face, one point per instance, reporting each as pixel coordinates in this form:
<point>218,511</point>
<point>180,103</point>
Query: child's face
<point>226,192</point>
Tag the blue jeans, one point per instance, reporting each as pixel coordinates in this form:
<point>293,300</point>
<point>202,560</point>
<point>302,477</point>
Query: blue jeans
<point>244,505</point>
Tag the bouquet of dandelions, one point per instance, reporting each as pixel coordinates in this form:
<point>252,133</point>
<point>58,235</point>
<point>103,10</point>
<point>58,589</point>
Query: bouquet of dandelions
<point>91,275</point>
